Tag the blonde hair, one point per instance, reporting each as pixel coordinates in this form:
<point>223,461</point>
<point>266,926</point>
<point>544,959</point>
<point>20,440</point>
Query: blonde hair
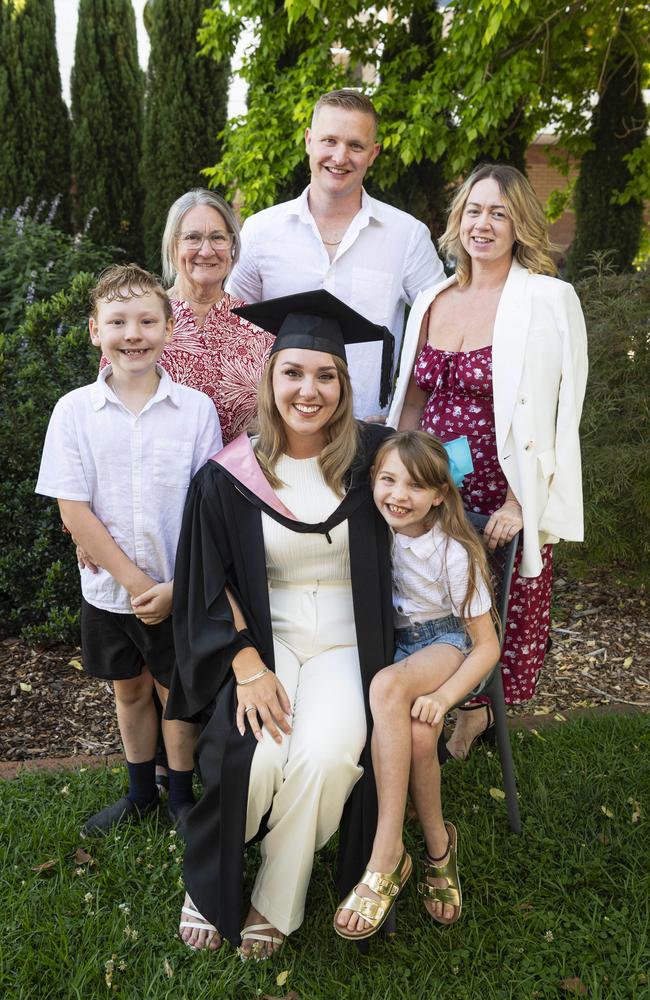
<point>336,457</point>
<point>348,100</point>
<point>426,461</point>
<point>122,282</point>
<point>532,247</point>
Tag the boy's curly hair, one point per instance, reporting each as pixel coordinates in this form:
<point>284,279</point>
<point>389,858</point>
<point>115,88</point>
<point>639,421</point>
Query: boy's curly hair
<point>127,281</point>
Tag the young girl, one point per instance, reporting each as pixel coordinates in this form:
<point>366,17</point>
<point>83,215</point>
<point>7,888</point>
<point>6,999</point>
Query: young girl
<point>445,644</point>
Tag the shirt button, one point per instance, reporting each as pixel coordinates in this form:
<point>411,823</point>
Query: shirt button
<point>528,445</point>
<point>523,400</point>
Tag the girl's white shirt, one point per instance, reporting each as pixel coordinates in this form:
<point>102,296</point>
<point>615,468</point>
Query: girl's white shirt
<point>430,576</point>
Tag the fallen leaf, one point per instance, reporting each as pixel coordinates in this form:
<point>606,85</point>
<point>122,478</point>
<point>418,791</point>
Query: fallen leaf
<point>167,966</point>
<point>282,977</point>
<point>76,664</point>
<point>608,812</point>
<point>81,857</point>
<point>636,809</point>
<point>542,710</point>
<point>603,838</point>
<point>497,793</point>
<point>574,985</point>
<point>25,687</point>
<point>538,735</point>
<point>524,907</point>
<point>559,717</point>
<point>627,662</point>
<point>46,865</point>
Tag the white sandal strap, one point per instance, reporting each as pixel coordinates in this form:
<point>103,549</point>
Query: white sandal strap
<point>248,934</point>
<point>193,912</point>
<point>199,927</point>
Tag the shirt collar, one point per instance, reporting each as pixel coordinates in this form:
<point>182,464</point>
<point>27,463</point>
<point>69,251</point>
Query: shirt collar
<point>370,209</point>
<point>423,546</point>
<point>100,393</point>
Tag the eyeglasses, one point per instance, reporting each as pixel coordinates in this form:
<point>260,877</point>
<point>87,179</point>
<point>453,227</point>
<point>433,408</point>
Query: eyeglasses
<point>217,240</point>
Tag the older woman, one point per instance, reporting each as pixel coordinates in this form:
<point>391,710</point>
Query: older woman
<point>212,348</point>
<point>282,616</point>
<point>498,352</point>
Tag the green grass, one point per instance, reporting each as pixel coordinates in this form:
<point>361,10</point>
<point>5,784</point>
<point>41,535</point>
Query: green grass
<point>568,899</point>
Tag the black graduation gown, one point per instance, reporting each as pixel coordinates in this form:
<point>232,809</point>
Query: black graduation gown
<point>222,544</point>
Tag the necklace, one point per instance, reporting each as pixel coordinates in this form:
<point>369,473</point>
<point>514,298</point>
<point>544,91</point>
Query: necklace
<point>332,243</point>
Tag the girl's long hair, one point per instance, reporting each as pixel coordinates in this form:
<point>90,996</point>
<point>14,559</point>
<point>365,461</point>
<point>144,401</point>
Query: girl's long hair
<point>532,247</point>
<point>428,465</point>
<point>338,454</point>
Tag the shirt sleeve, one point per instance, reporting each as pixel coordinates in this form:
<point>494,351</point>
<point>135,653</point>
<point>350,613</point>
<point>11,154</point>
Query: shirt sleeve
<point>209,440</point>
<point>423,267</point>
<point>457,564</point>
<point>245,281</point>
<point>563,513</point>
<point>62,474</point>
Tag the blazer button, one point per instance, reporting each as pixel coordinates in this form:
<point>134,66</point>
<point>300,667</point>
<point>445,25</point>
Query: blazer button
<point>528,445</point>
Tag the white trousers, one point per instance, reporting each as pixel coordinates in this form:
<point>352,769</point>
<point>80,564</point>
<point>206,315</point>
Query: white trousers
<point>306,780</point>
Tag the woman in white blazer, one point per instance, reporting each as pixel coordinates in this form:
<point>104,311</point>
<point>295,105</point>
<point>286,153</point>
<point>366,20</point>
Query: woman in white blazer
<point>499,352</point>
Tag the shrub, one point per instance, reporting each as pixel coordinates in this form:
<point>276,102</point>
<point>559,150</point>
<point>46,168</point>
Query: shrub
<point>615,427</point>
<point>49,354</point>
<point>37,260</point>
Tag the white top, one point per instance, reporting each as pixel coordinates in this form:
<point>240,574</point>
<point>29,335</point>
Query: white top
<point>297,557</point>
<point>134,471</point>
<point>385,258</point>
<point>430,578</point>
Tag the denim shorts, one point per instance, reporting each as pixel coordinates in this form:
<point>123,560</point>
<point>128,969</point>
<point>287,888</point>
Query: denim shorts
<point>449,630</point>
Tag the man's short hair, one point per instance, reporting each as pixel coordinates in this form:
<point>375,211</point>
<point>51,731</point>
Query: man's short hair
<point>349,100</point>
<point>122,282</point>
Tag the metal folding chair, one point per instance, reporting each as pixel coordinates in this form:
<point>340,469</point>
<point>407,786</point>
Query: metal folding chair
<point>501,563</point>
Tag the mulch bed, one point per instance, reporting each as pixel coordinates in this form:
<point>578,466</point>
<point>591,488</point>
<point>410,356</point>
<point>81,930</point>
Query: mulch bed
<point>600,656</point>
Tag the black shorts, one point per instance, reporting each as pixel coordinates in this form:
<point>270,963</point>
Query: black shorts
<point>115,647</point>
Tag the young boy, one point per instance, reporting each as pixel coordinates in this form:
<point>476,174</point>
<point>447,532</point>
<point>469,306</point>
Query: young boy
<point>119,456</point>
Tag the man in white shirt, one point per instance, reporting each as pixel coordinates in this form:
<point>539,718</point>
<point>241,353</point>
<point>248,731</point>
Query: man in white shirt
<point>334,236</point>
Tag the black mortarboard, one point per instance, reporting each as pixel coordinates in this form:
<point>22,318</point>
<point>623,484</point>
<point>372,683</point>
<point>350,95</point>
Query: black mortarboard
<point>318,321</point>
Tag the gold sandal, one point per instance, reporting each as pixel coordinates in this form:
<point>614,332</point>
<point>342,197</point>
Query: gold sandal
<point>386,886</point>
<point>449,894</point>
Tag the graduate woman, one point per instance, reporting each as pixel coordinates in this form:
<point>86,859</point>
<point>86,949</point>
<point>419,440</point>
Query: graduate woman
<point>282,616</point>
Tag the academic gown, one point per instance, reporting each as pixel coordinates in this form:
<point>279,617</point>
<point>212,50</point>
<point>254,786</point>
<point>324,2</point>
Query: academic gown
<point>222,545</point>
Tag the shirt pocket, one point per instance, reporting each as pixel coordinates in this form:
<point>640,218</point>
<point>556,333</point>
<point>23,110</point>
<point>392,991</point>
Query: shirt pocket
<point>371,293</point>
<point>172,463</point>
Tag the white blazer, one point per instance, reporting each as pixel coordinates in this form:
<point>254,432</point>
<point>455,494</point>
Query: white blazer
<point>539,371</point>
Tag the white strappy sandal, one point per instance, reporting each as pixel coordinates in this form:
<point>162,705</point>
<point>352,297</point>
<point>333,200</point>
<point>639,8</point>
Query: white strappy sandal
<point>254,933</point>
<point>198,922</point>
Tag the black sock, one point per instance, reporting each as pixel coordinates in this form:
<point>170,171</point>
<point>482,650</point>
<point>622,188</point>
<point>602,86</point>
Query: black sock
<point>142,782</point>
<point>180,787</point>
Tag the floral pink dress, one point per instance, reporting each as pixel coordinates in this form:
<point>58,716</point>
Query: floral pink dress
<point>224,358</point>
<point>460,403</point>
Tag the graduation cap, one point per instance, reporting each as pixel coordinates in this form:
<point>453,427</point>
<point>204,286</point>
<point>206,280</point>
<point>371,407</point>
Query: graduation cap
<point>318,321</point>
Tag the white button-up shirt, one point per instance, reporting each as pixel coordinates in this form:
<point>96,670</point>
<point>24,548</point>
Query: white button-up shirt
<point>430,576</point>
<point>133,471</point>
<point>384,259</point>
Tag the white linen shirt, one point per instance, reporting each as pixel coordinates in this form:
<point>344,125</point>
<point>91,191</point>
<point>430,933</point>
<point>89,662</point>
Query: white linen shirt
<point>384,259</point>
<point>133,471</point>
<point>430,578</point>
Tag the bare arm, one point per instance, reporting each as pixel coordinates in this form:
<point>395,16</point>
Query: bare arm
<point>482,657</point>
<point>91,535</point>
<point>266,695</point>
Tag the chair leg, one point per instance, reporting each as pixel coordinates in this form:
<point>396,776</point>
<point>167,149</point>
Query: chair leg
<point>495,694</point>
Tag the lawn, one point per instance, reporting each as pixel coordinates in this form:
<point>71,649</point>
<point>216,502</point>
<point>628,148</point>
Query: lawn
<point>559,913</point>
